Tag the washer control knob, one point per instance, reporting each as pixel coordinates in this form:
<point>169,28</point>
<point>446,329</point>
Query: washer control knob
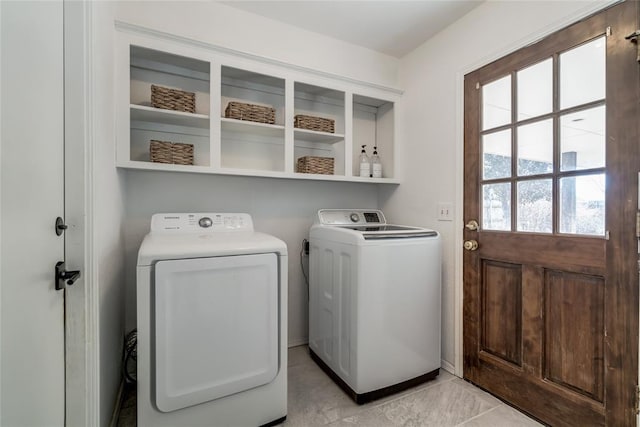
<point>354,217</point>
<point>205,222</point>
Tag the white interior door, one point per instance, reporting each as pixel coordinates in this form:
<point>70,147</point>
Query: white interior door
<point>32,196</point>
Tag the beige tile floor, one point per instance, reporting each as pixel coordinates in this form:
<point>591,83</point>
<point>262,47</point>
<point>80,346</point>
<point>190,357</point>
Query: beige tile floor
<point>315,400</point>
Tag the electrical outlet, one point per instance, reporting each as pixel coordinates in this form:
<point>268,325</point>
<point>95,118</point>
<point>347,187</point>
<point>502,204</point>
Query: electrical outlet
<point>445,212</point>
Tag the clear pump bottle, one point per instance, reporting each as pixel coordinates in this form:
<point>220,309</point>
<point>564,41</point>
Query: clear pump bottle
<point>365,167</point>
<point>376,166</point>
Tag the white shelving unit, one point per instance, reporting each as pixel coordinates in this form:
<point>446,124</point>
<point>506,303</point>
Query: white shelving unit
<point>362,113</point>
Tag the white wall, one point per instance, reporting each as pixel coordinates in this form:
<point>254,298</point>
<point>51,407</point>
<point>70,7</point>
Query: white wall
<point>108,212</point>
<point>431,124</point>
<point>280,207</point>
<point>228,27</point>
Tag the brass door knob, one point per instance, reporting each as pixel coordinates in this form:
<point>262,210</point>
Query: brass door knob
<point>472,225</point>
<point>470,245</point>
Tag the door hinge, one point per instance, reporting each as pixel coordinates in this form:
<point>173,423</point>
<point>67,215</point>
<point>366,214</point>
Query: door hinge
<point>608,32</point>
<point>633,38</point>
<point>636,400</point>
<point>477,85</point>
<point>638,224</point>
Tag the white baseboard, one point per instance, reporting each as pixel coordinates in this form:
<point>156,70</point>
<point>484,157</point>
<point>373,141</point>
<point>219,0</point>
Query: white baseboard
<point>448,367</point>
<point>298,341</point>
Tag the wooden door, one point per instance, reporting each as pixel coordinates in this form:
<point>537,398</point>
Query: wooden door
<point>551,164</point>
<point>32,371</point>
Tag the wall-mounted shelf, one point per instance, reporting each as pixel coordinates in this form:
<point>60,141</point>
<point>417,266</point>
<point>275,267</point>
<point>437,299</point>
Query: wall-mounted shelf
<point>361,113</point>
<point>315,136</point>
<point>176,118</point>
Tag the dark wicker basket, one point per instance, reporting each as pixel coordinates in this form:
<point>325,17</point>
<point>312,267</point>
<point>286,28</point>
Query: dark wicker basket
<point>173,99</point>
<point>318,124</point>
<point>313,164</point>
<point>250,112</point>
<point>171,152</point>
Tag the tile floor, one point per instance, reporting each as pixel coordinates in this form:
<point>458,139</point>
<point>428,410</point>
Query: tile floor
<point>315,400</point>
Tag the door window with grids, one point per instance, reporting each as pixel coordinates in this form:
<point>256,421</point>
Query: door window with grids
<point>543,145</point>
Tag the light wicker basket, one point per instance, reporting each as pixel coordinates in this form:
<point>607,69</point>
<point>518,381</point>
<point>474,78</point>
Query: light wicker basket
<point>314,164</point>
<point>250,112</point>
<point>171,152</point>
<point>173,99</point>
<point>319,124</point>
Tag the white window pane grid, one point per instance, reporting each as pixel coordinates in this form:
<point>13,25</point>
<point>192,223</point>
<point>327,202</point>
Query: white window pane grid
<point>535,148</point>
<point>582,74</point>
<point>496,155</point>
<point>496,103</point>
<point>535,90</point>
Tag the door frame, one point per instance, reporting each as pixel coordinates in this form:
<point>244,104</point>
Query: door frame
<point>459,158</point>
<point>82,369</point>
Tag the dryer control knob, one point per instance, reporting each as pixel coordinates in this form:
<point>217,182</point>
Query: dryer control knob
<point>205,222</point>
<point>354,217</point>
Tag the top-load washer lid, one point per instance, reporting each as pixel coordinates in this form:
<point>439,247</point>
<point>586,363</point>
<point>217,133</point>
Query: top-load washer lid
<point>390,231</point>
<point>201,235</point>
<point>370,223</point>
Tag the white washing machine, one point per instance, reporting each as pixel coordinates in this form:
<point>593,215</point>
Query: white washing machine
<point>212,323</point>
<point>374,302</point>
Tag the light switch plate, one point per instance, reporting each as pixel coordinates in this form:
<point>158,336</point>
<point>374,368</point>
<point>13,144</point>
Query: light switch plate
<point>445,211</point>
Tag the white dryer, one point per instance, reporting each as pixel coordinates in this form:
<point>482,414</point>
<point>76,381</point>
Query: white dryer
<point>212,323</point>
<point>374,302</point>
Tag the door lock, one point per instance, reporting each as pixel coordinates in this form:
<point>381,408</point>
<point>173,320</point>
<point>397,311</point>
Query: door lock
<point>63,276</point>
<point>472,225</point>
<point>60,226</point>
<point>470,245</point>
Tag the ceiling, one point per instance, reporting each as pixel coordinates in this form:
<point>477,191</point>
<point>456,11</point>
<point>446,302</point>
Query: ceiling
<point>391,27</point>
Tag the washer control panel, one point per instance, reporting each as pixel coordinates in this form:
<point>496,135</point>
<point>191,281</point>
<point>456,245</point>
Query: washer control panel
<point>201,222</point>
<point>340,217</point>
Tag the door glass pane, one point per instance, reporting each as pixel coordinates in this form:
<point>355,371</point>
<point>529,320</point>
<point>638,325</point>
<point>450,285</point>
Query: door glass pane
<point>535,90</point>
<point>582,74</point>
<point>535,148</point>
<point>535,206</point>
<point>496,103</point>
<point>582,143</point>
<point>582,204</point>
<point>496,155</point>
<point>496,206</point>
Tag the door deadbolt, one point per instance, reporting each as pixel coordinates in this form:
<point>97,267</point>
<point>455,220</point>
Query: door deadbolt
<point>470,245</point>
<point>472,225</point>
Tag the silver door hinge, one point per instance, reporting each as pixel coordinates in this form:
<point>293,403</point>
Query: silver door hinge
<point>636,403</point>
<point>478,85</point>
<point>638,224</point>
<point>608,32</point>
<point>606,235</point>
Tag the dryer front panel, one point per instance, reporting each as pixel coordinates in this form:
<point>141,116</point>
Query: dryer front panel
<point>216,327</point>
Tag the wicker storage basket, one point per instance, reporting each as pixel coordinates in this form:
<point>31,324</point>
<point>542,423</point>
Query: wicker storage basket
<point>314,123</point>
<point>250,112</point>
<point>171,152</point>
<point>173,99</point>
<point>313,164</point>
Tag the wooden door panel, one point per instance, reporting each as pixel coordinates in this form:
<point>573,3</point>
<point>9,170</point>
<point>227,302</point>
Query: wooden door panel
<point>577,254</point>
<point>574,332</point>
<point>543,400</point>
<point>551,319</point>
<point>502,316</point>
